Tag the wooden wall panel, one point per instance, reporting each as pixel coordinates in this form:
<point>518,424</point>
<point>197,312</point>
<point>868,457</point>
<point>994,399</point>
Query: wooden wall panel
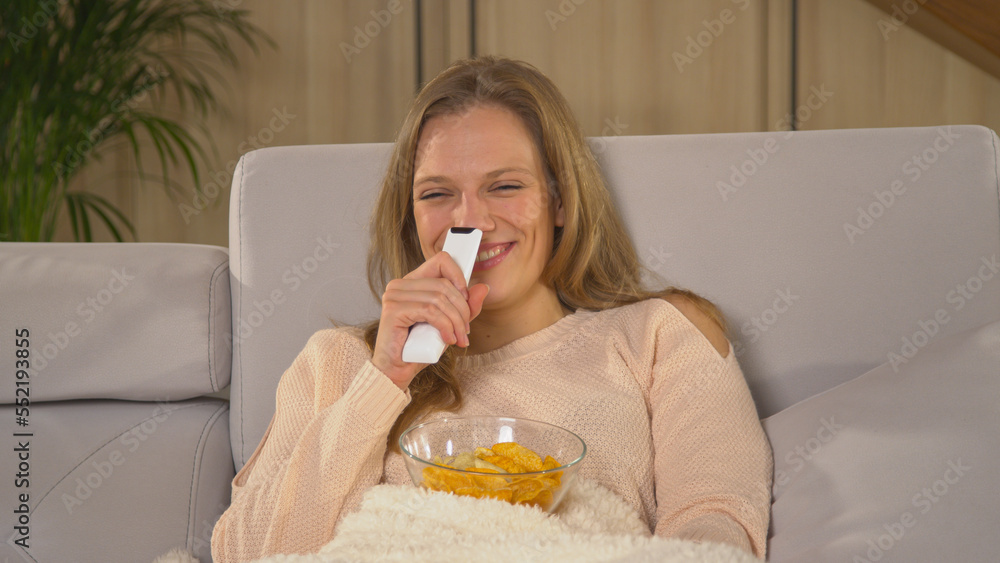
<point>446,34</point>
<point>341,74</point>
<point>657,67</point>
<point>885,77</point>
<point>778,70</point>
<point>623,65</point>
<point>110,178</point>
<point>307,91</point>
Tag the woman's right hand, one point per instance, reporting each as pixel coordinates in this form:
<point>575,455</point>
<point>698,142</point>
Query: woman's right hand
<point>434,293</point>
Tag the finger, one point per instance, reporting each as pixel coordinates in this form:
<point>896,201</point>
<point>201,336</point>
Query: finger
<point>427,291</point>
<point>442,265</point>
<point>427,301</point>
<point>477,296</point>
<point>450,325</point>
<point>403,309</point>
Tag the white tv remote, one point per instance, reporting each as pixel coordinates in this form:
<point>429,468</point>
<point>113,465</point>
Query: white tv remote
<point>424,344</point>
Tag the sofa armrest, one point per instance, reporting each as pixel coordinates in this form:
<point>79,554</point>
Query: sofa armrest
<point>115,480</point>
<point>137,321</point>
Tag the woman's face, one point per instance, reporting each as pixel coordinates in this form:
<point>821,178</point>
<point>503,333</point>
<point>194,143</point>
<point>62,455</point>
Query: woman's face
<point>480,168</point>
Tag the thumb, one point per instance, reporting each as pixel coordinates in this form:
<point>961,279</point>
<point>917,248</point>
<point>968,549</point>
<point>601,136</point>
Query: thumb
<point>477,295</point>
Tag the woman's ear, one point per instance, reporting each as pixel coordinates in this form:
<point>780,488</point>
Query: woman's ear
<point>560,218</point>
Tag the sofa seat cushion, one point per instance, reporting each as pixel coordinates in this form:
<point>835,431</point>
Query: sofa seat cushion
<point>900,464</point>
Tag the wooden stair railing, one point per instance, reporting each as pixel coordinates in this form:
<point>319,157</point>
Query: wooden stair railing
<point>969,28</point>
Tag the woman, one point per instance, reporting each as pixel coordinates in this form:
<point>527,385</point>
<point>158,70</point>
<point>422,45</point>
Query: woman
<point>554,325</point>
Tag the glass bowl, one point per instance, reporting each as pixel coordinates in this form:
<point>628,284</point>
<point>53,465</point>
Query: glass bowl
<point>431,447</point>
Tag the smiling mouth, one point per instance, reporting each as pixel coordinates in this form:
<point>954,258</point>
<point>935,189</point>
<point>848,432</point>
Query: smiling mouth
<point>492,256</point>
<point>487,254</point>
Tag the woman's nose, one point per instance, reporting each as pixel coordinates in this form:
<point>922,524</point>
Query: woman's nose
<point>472,211</point>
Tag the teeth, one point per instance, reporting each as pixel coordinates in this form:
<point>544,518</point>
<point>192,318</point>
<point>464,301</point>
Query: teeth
<point>487,254</point>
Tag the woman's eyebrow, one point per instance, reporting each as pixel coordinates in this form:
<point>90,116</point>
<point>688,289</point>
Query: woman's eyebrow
<point>502,171</point>
<point>439,179</point>
<point>493,174</point>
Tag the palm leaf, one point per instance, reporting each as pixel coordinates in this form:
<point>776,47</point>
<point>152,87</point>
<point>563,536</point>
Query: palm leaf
<point>84,202</point>
<point>96,72</point>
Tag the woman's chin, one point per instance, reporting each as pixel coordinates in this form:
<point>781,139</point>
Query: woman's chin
<point>494,299</point>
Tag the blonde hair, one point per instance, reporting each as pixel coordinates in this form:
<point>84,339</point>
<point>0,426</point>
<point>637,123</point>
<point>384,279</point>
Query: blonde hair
<point>593,265</point>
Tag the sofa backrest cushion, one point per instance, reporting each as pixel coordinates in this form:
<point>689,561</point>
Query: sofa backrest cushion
<point>830,252</point>
<point>142,322</point>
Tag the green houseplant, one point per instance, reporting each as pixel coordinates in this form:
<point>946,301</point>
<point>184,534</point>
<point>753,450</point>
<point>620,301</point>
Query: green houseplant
<point>78,75</point>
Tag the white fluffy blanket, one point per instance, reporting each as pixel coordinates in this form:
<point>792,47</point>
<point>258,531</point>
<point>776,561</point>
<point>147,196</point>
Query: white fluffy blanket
<point>396,523</point>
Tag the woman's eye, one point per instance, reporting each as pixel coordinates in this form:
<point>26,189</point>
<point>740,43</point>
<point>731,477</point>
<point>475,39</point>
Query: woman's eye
<point>506,187</point>
<point>429,195</point>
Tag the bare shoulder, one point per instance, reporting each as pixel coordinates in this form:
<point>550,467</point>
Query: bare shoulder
<point>706,324</point>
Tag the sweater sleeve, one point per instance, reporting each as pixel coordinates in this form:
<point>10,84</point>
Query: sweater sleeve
<point>323,448</point>
<point>712,461</point>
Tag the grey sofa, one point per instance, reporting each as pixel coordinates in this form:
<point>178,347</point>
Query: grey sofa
<point>858,270</point>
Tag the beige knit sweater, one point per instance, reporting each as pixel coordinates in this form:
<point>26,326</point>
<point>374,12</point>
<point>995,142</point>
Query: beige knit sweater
<point>669,425</point>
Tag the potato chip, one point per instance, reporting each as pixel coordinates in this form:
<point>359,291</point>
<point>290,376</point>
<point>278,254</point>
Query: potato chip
<point>526,489</point>
<point>519,455</point>
<point>488,482</point>
<point>434,479</point>
<point>494,475</point>
<point>549,481</point>
<point>458,480</point>
<point>543,499</point>
<point>442,480</point>
<point>464,461</point>
<point>502,494</point>
<point>446,461</point>
<point>550,463</point>
<point>483,464</point>
<point>507,464</point>
<point>533,491</point>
